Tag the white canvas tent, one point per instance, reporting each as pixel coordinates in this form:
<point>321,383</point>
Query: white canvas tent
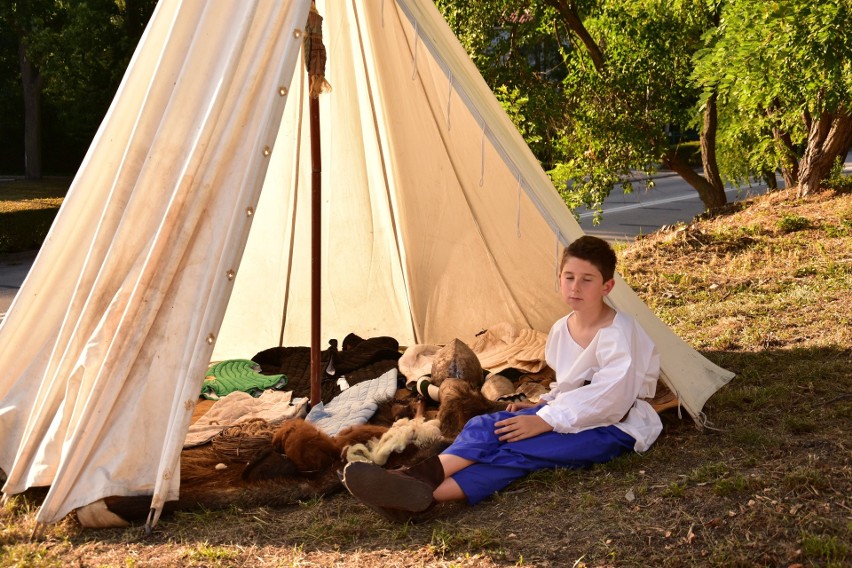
<point>183,238</point>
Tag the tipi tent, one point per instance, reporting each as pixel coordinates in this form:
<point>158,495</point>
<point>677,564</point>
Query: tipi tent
<point>183,238</point>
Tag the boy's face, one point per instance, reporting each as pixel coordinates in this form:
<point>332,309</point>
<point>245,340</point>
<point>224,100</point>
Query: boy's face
<point>582,284</point>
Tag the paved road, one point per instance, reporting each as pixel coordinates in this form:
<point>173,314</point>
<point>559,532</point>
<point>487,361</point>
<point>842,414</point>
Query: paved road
<point>672,200</point>
<point>644,211</point>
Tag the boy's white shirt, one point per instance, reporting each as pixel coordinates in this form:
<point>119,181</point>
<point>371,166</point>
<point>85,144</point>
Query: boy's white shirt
<point>622,366</point>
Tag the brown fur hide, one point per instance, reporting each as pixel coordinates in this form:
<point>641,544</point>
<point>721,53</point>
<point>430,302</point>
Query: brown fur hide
<point>213,481</point>
<point>310,461</point>
<point>459,403</point>
<point>310,449</point>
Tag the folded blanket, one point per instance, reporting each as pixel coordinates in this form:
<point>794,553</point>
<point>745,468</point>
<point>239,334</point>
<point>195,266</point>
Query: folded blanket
<point>501,346</point>
<point>355,405</point>
<point>504,346</point>
<point>272,406</point>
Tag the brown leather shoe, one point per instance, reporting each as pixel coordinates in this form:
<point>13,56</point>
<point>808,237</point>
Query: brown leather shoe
<point>392,493</point>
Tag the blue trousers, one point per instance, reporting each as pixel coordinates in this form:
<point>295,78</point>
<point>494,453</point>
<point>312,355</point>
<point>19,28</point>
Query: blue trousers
<point>499,463</point>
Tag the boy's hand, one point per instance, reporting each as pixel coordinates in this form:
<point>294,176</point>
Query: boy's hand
<point>521,427</point>
<point>516,406</point>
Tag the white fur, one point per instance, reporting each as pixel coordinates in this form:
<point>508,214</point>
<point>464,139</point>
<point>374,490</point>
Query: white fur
<point>417,431</point>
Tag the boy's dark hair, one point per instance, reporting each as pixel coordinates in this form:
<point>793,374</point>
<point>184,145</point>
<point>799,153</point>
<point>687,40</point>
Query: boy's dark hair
<point>594,250</point>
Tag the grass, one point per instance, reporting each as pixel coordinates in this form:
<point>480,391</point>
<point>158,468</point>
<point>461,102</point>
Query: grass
<point>27,210</point>
<point>762,289</point>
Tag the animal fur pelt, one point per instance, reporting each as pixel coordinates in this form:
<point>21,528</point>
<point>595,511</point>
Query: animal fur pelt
<point>212,481</point>
<point>460,401</point>
<point>419,432</point>
<point>310,449</point>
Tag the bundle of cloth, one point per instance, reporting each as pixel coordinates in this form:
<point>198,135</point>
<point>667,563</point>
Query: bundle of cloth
<point>510,361</point>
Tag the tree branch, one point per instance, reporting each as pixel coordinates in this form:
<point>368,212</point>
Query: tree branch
<point>568,10</point>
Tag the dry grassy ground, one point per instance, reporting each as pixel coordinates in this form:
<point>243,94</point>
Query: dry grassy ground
<point>763,290</point>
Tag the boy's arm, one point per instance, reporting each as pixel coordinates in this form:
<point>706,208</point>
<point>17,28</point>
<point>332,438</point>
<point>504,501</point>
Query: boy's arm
<point>610,394</point>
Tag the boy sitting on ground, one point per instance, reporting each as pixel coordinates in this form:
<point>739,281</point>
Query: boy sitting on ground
<point>605,364</point>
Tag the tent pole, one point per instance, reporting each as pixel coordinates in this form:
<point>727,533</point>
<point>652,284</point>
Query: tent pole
<point>315,58</point>
<point>316,250</point>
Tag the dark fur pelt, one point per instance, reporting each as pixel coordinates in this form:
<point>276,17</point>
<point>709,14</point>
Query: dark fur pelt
<point>405,404</point>
<point>270,479</point>
<point>459,403</point>
<point>203,485</point>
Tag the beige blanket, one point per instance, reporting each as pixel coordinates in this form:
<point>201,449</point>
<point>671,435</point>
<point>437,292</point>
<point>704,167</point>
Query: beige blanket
<point>273,406</point>
<point>500,347</point>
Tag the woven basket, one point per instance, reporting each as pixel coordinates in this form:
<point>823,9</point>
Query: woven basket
<point>242,441</point>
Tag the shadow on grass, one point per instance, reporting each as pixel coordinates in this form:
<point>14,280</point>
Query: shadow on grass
<point>25,230</point>
<point>778,382</point>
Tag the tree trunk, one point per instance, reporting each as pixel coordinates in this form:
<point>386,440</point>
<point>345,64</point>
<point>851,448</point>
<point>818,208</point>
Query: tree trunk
<point>830,135</point>
<point>784,144</point>
<point>708,147</point>
<point>568,10</point>
<point>770,178</point>
<point>711,197</point>
<point>789,161</point>
<point>32,83</point>
<point>134,17</point>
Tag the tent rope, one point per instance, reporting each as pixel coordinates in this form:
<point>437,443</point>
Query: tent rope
<point>416,42</point>
<point>518,219</point>
<point>449,97</point>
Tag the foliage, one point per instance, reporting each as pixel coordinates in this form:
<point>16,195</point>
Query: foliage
<point>775,66</point>
<point>81,48</point>
<point>621,116</point>
<point>792,223</point>
<point>595,121</point>
<point>590,127</point>
<point>27,210</point>
<point>516,50</point>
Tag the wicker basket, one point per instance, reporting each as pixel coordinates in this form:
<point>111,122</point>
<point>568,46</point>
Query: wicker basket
<point>242,441</point>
